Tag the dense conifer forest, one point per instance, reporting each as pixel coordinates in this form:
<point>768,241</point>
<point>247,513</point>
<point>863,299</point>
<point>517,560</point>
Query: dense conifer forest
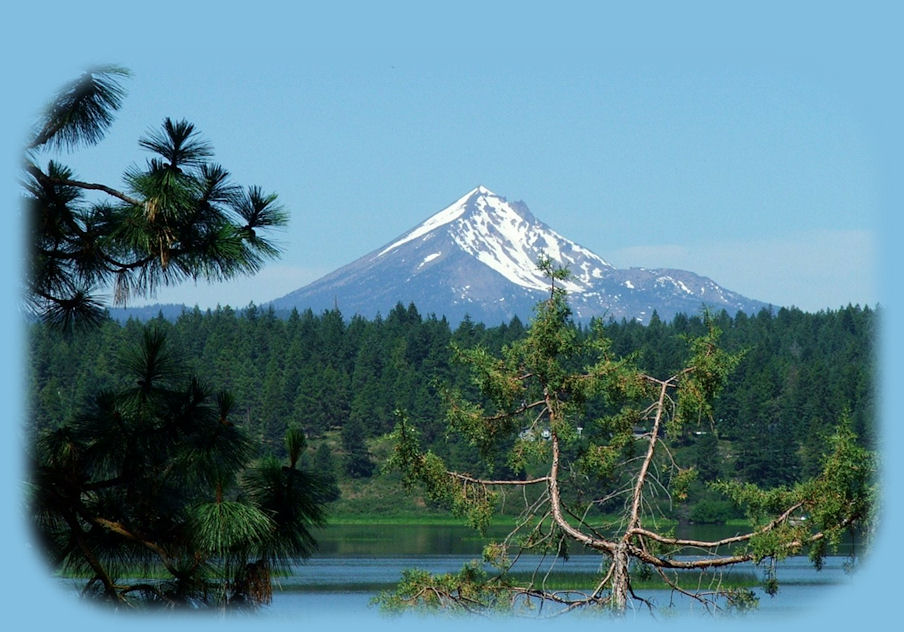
<point>344,378</point>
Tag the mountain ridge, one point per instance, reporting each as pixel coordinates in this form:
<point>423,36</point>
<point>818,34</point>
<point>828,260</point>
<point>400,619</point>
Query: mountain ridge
<point>477,257</point>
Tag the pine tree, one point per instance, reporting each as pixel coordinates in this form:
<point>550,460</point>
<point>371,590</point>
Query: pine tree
<point>532,406</point>
<point>155,478</point>
<point>152,475</point>
<point>178,218</point>
<point>357,460</point>
<point>325,465</point>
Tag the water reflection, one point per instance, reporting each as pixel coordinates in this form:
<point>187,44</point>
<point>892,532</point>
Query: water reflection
<point>331,585</point>
<point>421,540</point>
<point>355,562</point>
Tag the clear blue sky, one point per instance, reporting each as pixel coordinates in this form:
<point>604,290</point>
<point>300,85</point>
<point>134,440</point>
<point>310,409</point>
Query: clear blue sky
<point>759,147</point>
<point>756,169</point>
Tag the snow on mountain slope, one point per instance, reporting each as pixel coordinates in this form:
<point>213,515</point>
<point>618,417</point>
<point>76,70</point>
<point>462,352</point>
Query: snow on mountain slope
<point>478,257</point>
<point>508,240</point>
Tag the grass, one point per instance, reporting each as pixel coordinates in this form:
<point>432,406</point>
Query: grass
<point>419,517</point>
<point>382,500</point>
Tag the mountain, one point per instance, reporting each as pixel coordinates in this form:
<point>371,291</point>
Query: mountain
<point>478,257</point>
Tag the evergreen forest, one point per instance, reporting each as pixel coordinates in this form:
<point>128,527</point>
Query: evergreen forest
<point>342,380</point>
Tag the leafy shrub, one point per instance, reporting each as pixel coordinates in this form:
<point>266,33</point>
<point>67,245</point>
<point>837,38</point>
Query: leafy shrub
<point>712,512</point>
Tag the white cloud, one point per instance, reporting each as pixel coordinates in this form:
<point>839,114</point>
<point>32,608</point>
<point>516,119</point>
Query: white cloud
<point>812,270</point>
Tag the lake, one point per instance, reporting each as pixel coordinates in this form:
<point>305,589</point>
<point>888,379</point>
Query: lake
<point>355,562</point>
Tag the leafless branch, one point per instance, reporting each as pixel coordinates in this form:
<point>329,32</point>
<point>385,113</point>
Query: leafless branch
<point>651,449</point>
<point>489,482</point>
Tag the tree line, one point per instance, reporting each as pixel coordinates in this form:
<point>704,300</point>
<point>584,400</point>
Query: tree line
<point>797,372</point>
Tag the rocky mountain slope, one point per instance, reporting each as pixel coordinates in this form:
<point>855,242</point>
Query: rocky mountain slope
<point>478,256</point>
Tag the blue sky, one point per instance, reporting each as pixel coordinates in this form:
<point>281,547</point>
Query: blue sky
<point>759,171</point>
<point>756,146</point>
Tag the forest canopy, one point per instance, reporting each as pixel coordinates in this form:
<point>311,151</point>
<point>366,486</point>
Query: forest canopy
<point>327,372</point>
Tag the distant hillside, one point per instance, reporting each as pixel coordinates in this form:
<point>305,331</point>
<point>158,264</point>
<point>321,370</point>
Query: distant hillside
<point>145,313</point>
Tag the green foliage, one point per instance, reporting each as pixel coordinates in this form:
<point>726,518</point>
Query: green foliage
<point>476,411</point>
<point>529,404</point>
<point>179,218</point>
<point>711,367</point>
<point>468,590</point>
<point>462,495</point>
<point>681,481</point>
<point>325,466</point>
<point>770,424</point>
<point>817,512</point>
<point>226,526</point>
<point>358,463</point>
<point>294,498</point>
<point>155,475</point>
<point>147,467</point>
<point>295,444</point>
<point>708,511</point>
<point>82,111</point>
<point>415,466</point>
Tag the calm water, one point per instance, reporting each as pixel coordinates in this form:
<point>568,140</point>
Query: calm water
<point>354,563</point>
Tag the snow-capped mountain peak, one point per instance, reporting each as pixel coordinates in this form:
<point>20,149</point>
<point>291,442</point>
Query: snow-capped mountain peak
<point>508,239</point>
<point>444,217</point>
<point>478,257</point>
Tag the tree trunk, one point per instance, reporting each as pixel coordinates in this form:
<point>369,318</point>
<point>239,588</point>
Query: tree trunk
<point>620,580</point>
